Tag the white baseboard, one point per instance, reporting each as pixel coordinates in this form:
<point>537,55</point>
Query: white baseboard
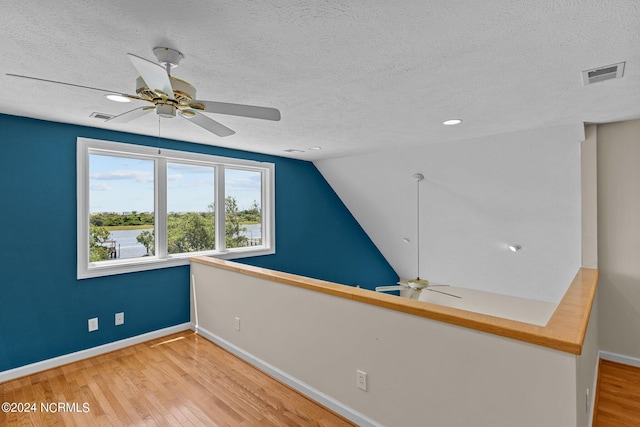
<point>314,394</point>
<point>620,358</point>
<point>90,352</point>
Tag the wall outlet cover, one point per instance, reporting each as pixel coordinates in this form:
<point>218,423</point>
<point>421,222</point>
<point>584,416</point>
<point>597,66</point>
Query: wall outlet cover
<point>93,324</point>
<point>119,319</point>
<point>361,380</point>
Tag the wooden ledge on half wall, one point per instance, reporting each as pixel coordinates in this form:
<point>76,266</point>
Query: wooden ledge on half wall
<point>565,330</point>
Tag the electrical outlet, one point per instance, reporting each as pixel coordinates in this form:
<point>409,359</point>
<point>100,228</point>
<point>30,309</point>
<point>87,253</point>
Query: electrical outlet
<point>236,323</point>
<point>120,318</point>
<point>361,380</point>
<point>93,324</point>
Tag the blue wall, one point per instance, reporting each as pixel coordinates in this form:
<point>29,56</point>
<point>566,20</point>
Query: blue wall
<point>44,308</point>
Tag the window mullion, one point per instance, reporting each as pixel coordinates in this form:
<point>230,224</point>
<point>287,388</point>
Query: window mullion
<point>221,244</point>
<point>266,206</point>
<point>161,208</point>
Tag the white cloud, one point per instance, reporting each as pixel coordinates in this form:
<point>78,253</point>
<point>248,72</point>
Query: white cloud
<point>100,186</point>
<point>137,175</point>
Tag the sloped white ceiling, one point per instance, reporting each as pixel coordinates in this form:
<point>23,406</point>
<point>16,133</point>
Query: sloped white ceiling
<point>352,77</point>
<point>477,196</point>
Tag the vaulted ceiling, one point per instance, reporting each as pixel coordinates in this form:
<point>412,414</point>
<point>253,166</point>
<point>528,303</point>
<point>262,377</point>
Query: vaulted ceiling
<point>351,77</point>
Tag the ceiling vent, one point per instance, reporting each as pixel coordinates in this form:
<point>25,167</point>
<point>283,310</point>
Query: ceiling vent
<point>601,74</point>
<point>101,116</point>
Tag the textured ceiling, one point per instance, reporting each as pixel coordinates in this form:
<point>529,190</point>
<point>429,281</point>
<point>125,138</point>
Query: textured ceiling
<point>349,76</point>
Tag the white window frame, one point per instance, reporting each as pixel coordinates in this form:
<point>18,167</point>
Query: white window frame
<point>161,259</point>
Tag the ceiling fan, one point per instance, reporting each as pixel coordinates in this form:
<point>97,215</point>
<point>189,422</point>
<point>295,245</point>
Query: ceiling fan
<point>170,96</point>
<point>416,285</point>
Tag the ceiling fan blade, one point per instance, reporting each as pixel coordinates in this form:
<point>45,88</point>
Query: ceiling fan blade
<point>440,292</point>
<point>115,92</point>
<point>390,288</point>
<point>242,110</point>
<point>208,124</point>
<point>131,115</point>
<point>154,75</point>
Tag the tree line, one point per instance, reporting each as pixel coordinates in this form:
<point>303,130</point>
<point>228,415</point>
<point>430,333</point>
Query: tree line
<point>112,219</point>
<point>186,232</point>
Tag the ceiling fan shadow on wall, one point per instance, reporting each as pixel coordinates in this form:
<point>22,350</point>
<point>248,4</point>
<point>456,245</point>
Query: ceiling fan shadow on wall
<point>417,285</point>
<point>171,96</point>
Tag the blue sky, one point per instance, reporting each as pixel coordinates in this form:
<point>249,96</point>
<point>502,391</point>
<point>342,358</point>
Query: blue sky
<point>120,184</point>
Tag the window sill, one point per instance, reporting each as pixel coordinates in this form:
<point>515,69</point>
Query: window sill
<point>110,268</point>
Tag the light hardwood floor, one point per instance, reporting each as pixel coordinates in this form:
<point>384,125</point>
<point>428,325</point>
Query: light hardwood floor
<point>618,395</point>
<point>179,380</point>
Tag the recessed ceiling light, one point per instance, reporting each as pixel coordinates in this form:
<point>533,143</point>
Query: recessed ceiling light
<point>514,247</point>
<point>117,98</point>
<point>315,148</point>
<point>452,122</point>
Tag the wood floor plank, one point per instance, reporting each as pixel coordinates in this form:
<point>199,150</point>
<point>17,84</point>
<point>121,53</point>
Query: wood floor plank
<point>179,380</point>
<point>617,402</point>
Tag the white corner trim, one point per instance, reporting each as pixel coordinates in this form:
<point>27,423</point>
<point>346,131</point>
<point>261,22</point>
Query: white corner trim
<point>314,394</point>
<point>620,358</point>
<point>592,397</point>
<point>90,352</point>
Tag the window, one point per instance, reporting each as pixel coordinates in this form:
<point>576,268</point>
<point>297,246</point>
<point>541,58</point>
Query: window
<point>243,208</point>
<point>142,208</point>
<point>190,208</point>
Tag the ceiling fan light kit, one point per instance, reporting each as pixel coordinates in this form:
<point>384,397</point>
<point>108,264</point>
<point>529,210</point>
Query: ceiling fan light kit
<point>165,110</point>
<point>170,95</point>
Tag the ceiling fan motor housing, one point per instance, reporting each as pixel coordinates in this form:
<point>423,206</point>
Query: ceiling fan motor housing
<point>183,92</point>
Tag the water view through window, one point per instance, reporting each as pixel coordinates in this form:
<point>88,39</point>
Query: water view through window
<point>190,208</point>
<point>121,206</point>
<point>243,208</point>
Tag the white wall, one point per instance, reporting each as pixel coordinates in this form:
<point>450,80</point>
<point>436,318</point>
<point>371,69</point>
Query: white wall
<point>477,196</point>
<point>420,371</point>
<point>619,237</point>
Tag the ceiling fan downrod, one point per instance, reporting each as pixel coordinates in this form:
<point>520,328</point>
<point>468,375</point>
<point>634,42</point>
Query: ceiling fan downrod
<point>418,177</point>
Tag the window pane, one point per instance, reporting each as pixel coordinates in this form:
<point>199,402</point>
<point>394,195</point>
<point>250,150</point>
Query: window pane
<point>243,208</point>
<point>190,208</point>
<point>121,208</point>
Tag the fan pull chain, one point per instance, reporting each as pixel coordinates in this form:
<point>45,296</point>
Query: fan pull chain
<point>159,151</point>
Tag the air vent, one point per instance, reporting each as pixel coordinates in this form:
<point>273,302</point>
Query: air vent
<point>101,116</point>
<point>293,150</point>
<point>601,74</point>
